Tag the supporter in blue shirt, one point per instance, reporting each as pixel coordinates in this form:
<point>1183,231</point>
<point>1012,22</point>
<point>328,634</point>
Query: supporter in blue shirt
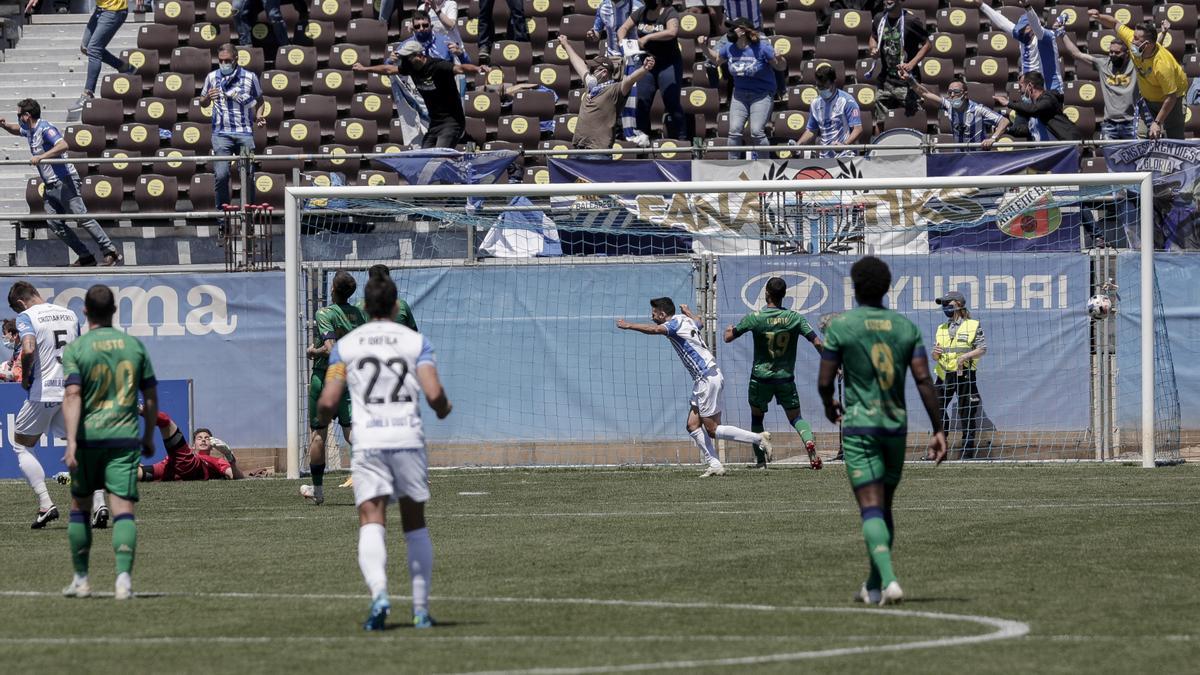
<point>834,115</point>
<point>752,62</point>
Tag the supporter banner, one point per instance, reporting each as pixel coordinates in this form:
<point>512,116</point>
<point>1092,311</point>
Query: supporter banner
<point>1022,219</point>
<point>1030,307</point>
<point>174,397</point>
<point>443,165</point>
<point>1176,167</point>
<point>224,332</point>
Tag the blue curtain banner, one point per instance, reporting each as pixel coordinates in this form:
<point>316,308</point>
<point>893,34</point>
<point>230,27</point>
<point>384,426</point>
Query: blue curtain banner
<point>1176,168</point>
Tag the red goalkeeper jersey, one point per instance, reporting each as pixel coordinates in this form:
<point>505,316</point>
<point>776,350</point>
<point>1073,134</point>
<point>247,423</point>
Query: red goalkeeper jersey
<point>183,463</point>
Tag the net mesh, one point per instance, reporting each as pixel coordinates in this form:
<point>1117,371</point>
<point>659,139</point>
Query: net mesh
<point>519,295</point>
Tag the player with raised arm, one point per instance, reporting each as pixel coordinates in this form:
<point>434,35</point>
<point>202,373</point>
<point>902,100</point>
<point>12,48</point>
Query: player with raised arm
<point>184,462</point>
<point>44,331</point>
<point>385,366</point>
<point>776,331</point>
<point>105,370</point>
<point>332,323</point>
<point>704,406</point>
<point>875,347</point>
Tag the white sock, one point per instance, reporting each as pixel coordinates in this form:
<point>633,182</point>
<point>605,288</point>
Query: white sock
<point>34,473</point>
<point>372,557</point>
<point>711,445</point>
<point>80,579</point>
<point>702,441</point>
<point>729,433</point>
<point>124,580</point>
<point>420,566</point>
<point>97,500</point>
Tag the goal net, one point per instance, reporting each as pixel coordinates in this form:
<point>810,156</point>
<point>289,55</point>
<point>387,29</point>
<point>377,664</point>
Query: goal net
<point>518,287</point>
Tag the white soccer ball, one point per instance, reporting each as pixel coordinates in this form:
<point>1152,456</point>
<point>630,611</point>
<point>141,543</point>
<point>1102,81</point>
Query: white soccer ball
<point>1099,307</point>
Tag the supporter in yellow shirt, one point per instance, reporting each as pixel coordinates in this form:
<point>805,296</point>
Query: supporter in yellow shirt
<point>1161,80</point>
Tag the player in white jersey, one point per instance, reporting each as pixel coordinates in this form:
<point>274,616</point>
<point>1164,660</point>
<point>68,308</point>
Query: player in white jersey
<point>45,330</point>
<point>704,406</point>
<point>386,366</point>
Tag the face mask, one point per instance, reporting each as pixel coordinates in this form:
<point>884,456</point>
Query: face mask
<point>1118,62</point>
<point>890,5</point>
<point>827,94</point>
<point>1137,51</point>
<point>651,4</point>
<point>10,344</point>
<point>423,35</point>
<point>949,311</point>
<point>958,103</point>
<point>226,69</point>
<point>24,127</point>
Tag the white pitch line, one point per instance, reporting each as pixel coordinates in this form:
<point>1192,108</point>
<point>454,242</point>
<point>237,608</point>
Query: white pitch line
<point>388,637</point>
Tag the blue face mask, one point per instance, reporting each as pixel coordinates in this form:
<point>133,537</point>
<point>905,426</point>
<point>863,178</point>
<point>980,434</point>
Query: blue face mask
<point>227,69</point>
<point>827,94</point>
<point>424,35</point>
<point>949,311</point>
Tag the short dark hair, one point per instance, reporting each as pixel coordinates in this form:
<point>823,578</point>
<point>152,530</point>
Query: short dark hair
<point>30,107</point>
<point>380,298</point>
<point>776,289</point>
<point>99,304</point>
<point>228,48</point>
<point>9,326</point>
<point>872,279</point>
<point>419,15</point>
<point>665,305</point>
<point>23,291</point>
<point>825,74</point>
<point>379,271</point>
<point>343,286</point>
<point>1149,29</point>
<point>201,430</point>
<point>1034,78</point>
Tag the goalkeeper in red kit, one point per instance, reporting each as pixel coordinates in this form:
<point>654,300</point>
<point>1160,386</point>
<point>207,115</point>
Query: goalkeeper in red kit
<point>184,462</point>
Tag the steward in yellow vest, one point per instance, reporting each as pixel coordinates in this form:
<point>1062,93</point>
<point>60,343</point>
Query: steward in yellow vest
<point>958,344</point>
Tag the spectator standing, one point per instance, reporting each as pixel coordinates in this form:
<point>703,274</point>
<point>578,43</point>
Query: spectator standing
<point>439,44</point>
<point>443,15</point>
<point>234,93</point>
<point>970,122</point>
<point>1043,110</point>
<point>752,62</point>
<point>656,26</point>
<point>610,16</point>
<point>742,9</point>
<point>603,96</point>
<point>1161,80</point>
<point>10,368</point>
<point>834,115</point>
<point>517,30</point>
<point>1039,46</point>
<point>1118,85</point>
<point>102,27</point>
<point>900,42</point>
<point>61,183</point>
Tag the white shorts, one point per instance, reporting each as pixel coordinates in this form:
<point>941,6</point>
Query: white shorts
<point>37,418</point>
<point>390,473</point>
<point>706,394</point>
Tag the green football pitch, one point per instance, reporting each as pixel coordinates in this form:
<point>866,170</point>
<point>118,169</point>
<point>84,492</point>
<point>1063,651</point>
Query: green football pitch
<point>1066,568</point>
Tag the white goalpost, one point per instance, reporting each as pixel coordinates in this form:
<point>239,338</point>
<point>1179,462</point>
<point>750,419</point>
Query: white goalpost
<point>548,382</point>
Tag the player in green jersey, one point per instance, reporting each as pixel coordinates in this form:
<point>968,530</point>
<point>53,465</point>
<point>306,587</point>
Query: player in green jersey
<point>773,377</point>
<point>875,347</point>
<point>404,315</point>
<point>332,323</point>
<point>105,369</point>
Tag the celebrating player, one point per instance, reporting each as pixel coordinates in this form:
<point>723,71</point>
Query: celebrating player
<point>332,323</point>
<point>385,366</point>
<point>105,369</point>
<point>704,415</point>
<point>875,347</point>
<point>186,463</point>
<point>775,331</point>
<point>45,330</point>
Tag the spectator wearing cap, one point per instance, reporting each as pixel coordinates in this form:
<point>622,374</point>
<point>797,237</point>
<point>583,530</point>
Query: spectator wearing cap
<point>1118,85</point>
<point>900,42</point>
<point>235,94</point>
<point>1039,112</point>
<point>834,115</point>
<point>751,60</point>
<point>434,79</point>
<point>1039,45</point>
<point>60,182</point>
<point>610,16</point>
<point>970,122</point>
<point>1161,80</point>
<point>517,30</point>
<point>957,346</point>
<point>656,26</point>
<point>603,97</point>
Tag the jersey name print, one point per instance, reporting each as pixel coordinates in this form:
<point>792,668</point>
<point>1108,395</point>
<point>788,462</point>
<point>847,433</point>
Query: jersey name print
<point>54,328</point>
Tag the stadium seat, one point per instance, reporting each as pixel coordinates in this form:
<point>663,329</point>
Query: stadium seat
<point>103,194</point>
<point>937,72</point>
<point>158,39</point>
<point>345,55</point>
<point>304,134</point>
<point>1130,15</point>
<point>87,139</point>
<point>865,94</point>
<point>551,10</point>
<point>1083,117</point>
<point>375,178</point>
<point>1175,42</point>
<point>82,168</point>
<point>126,171</point>
<point>145,62</point>
<point>371,106</point>
<point>316,178</point>
<point>139,139</point>
<point>998,45</point>
<point>1098,41</point>
<point>476,129</point>
<point>558,55</point>
<point>851,22</point>
<point>301,60</point>
<point>1181,15</point>
<point>220,12</point>
<point>1074,19</point>
<point>793,23</point>
<point>534,175</point>
<point>694,25</point>
<point>182,171</point>
<point>105,113</point>
<point>176,13</point>
<point>1084,94</point>
<point>337,12</point>
<point>552,145</point>
<point>379,84</point>
<point>336,83</point>
<point>1191,65</point>
<point>815,6</point>
<point>539,104</point>
<point>356,132</point>
<point>556,78</point>
<point>272,109</point>
<point>371,33</point>
<point>843,48</point>
<point>564,126</point>
<point>1093,165</point>
<point>589,7</point>
<point>574,27</point>
<point>343,165</point>
<point>124,88</point>
<point>269,187</point>
<point>194,136</point>
<point>209,36</point>
<point>317,108</point>
<point>274,159</point>
<point>988,69</point>
<point>193,61</point>
<point>801,97</point>
<point>519,130</point>
<point>958,20</point>
<point>951,46</point>
<point>1191,121</point>
<point>161,112</point>
<point>539,33</point>
<point>251,58</point>
<point>323,36</point>
<point>202,192</point>
<point>200,111</point>
<point>35,194</point>
<point>484,105</point>
<point>1012,12</point>
<point>703,105</point>
<point>792,50</point>
<point>176,86</point>
<point>896,119</point>
<point>789,125</point>
<point>156,193</point>
<point>517,55</point>
<point>282,84</point>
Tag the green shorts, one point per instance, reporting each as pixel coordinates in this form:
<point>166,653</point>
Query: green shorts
<point>111,469</point>
<point>783,391</point>
<point>871,459</point>
<point>315,385</point>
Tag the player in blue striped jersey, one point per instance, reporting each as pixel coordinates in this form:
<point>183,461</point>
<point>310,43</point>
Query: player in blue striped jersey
<point>704,414</point>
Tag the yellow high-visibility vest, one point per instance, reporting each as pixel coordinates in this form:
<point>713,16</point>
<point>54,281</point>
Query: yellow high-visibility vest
<point>953,346</point>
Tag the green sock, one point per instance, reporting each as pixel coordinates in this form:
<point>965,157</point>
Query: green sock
<point>124,541</point>
<point>804,429</point>
<point>318,474</point>
<point>759,455</point>
<point>877,537</point>
<point>79,534</point>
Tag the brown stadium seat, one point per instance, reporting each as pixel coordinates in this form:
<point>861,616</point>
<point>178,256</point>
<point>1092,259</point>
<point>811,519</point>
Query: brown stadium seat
<point>535,175</point>
<point>958,20</point>
<point>87,139</point>
<point>220,12</point>
<point>575,101</point>
<point>558,55</point>
<point>989,69</point>
<point>161,112</point>
<point>209,36</point>
<point>555,78</point>
<point>269,187</point>
<point>1012,12</point>
<point>199,110</point>
<point>517,55</point>
<point>564,126</point>
<point>789,125</point>
<point>689,50</point>
<point>589,7</point>
<point>1083,117</point>
<point>267,159</point>
<point>194,136</point>
<point>371,106</point>
<point>937,72</point>
<point>896,119</point>
<point>177,86</point>
<point>379,84</point>
<point>951,46</point>
<point>156,193</point>
<point>1093,165</point>
<point>194,61</point>
<point>202,193</point>
<point>797,23</point>
<point>539,104</point>
<point>1191,121</point>
<point>1191,65</point>
<point>301,60</point>
<point>1130,15</point>
<point>476,129</point>
<point>373,178</point>
<point>816,6</point>
<point>1098,42</point>
<point>323,36</point>
<point>343,165</point>
<point>394,134</point>
<point>356,132</point>
<point>497,75</point>
<point>103,194</point>
<point>468,28</point>
<point>792,50</point>
<point>574,27</point>
<point>282,84</point>
<point>386,148</point>
<point>144,61</point>
<point>1175,42</point>
<point>177,13</point>
<point>684,151</point>
<point>320,109</point>
<point>694,25</point>
<point>126,171</point>
<point>316,178</point>
<point>139,139</point>
<point>345,55</point>
<point>1181,15</point>
<point>336,83</point>
<point>551,10</point>
<point>1074,19</point>
<point>539,33</point>
<point>369,32</point>
<point>337,12</point>
<point>158,38</point>
<point>105,113</point>
<point>851,22</point>
<point>998,45</point>
<point>518,129</point>
<point>182,171</point>
<point>864,94</point>
<point>35,195</point>
<point>272,109</point>
<point>304,134</point>
<point>927,6</point>
<point>712,147</point>
<point>1083,94</point>
<point>124,88</point>
<point>842,48</point>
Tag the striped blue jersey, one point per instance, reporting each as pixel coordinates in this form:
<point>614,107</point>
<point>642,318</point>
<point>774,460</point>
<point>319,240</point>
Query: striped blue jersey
<point>609,17</point>
<point>833,119</point>
<point>744,9</point>
<point>233,111</point>
<point>972,123</point>
<point>42,137</point>
<point>685,337</point>
<point>1039,52</point>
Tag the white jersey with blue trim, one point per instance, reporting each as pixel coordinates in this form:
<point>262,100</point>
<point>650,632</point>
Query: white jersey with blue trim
<point>53,328</point>
<point>685,337</point>
<point>380,360</point>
